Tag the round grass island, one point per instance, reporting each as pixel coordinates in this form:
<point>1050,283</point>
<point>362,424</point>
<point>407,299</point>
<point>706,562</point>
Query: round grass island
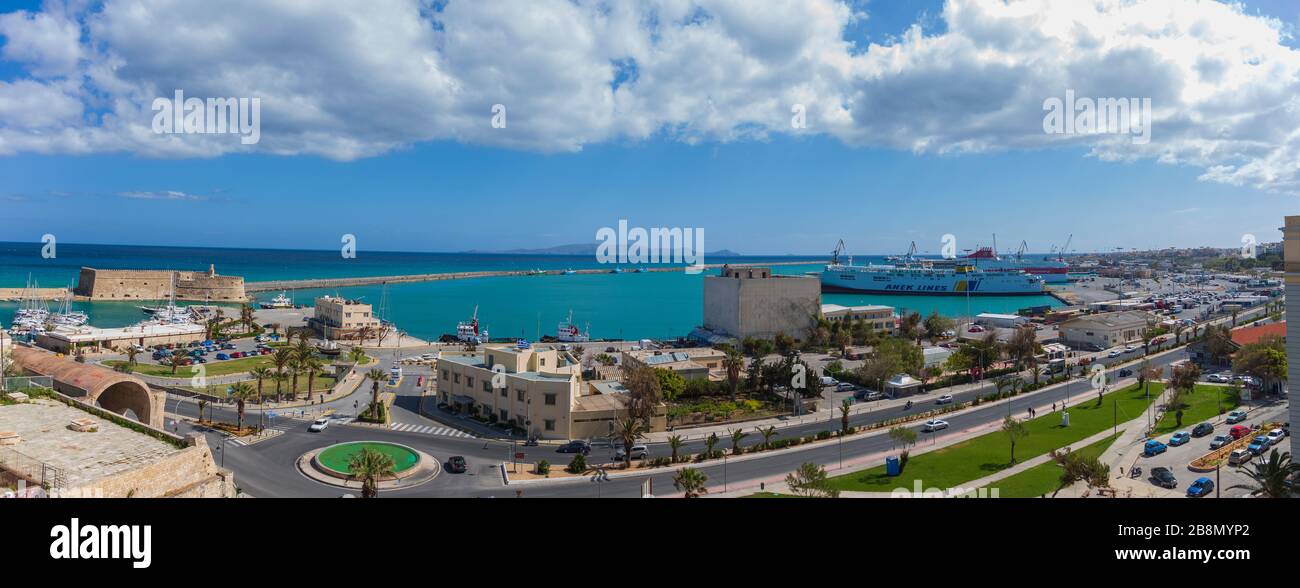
<point>334,460</point>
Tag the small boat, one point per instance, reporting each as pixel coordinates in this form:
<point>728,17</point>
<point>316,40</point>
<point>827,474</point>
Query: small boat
<point>468,331</point>
<point>280,301</point>
<point>569,333</point>
<point>328,348</point>
<point>568,272</point>
<point>640,270</point>
<point>617,270</point>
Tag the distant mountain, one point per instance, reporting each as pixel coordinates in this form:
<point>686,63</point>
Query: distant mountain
<point>582,249</point>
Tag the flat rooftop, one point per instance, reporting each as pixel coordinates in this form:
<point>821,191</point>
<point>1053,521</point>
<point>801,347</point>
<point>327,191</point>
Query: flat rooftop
<point>89,334</point>
<point>83,457</point>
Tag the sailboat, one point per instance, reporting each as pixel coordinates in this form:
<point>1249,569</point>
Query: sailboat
<point>66,317</point>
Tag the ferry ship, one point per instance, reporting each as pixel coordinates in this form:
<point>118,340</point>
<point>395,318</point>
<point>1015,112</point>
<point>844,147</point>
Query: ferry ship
<point>468,331</point>
<point>1052,271</point>
<point>924,278</point>
<point>569,333</point>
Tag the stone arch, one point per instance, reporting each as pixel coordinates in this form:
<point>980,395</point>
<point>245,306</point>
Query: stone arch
<point>97,385</point>
<point>121,397</point>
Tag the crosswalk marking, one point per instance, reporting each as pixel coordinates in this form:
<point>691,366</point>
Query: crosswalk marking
<point>428,430</point>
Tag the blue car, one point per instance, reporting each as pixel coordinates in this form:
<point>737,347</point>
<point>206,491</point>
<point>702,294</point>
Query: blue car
<point>1257,445</point>
<point>1179,438</point>
<point>1201,487</point>
<point>1154,447</point>
<point>222,357</point>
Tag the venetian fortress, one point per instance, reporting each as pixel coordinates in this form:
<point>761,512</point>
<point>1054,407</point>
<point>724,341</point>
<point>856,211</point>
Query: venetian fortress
<point>117,284</point>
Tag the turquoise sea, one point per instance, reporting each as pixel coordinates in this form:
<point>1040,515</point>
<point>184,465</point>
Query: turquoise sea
<point>627,305</point>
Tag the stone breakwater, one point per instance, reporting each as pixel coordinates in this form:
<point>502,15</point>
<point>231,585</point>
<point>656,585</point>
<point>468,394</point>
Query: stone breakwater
<point>372,280</point>
<point>38,293</point>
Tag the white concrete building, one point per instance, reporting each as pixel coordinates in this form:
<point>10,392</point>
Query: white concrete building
<point>1105,329</point>
<point>1001,321</point>
<point>754,302</point>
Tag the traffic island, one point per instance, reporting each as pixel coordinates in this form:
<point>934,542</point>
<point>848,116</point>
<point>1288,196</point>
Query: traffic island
<point>329,465</point>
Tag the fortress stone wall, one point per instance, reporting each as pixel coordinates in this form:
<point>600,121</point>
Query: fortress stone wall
<point>112,284</point>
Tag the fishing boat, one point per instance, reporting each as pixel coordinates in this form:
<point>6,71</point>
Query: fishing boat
<point>568,272</point>
<point>569,333</point>
<point>469,332</point>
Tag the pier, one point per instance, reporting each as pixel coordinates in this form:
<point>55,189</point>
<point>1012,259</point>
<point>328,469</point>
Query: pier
<point>373,280</point>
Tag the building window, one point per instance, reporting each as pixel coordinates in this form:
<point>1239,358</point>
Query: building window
<point>543,360</point>
<point>456,379</point>
<point>519,395</point>
<point>469,381</point>
<point>487,386</point>
<point>550,400</point>
<point>549,424</point>
<point>444,374</point>
<point>504,393</point>
<point>504,415</point>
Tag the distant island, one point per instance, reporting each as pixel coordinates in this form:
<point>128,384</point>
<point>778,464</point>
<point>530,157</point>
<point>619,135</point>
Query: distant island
<point>581,249</point>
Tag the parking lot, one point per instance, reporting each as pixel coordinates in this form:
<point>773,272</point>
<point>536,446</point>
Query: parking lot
<point>1176,458</point>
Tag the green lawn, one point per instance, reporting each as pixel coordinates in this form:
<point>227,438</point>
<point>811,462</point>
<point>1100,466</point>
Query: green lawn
<point>1043,478</point>
<point>1202,405</point>
<point>214,368</point>
<point>990,453</point>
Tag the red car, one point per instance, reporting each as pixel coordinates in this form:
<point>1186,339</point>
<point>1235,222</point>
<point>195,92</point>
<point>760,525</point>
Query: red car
<point>1239,431</point>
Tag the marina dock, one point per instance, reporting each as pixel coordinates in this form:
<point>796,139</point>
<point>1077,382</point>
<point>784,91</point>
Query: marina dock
<point>373,280</point>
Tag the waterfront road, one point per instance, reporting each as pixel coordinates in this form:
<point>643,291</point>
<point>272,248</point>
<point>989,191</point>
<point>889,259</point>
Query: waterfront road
<point>267,468</point>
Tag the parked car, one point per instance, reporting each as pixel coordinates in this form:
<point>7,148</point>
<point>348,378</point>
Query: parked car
<point>318,425</point>
<point>1239,431</point>
<point>222,356</point>
<point>1236,416</point>
<point>1258,445</point>
<point>575,447</point>
<point>934,425</point>
<point>1201,487</point>
<point>1275,436</point>
<point>1163,477</point>
<point>1240,456</point>
<point>1179,438</point>
<point>945,399</point>
<point>1219,441</point>
<point>1124,373</point>
<point>1113,354</point>
<point>1154,447</point>
<point>638,452</point>
<point>456,464</point>
<point>1202,430</point>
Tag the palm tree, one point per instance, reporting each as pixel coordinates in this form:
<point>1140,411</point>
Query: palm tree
<point>1268,478</point>
<point>313,365</point>
<point>370,466</point>
<point>357,355</point>
<point>241,392</point>
<point>709,443</point>
<point>246,316</point>
<point>733,363</point>
<point>376,376</point>
<point>690,482</point>
<point>675,443</point>
<point>131,352</point>
<point>260,372</point>
<point>202,404</point>
<point>844,416</point>
<point>736,437</point>
<point>364,333</point>
<point>175,360</point>
<point>280,359</point>
<point>280,378</point>
<point>628,430</point>
<point>767,434</point>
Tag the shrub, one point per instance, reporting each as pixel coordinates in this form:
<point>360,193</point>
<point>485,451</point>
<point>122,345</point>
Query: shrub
<point>823,435</point>
<point>578,465</point>
<point>544,468</point>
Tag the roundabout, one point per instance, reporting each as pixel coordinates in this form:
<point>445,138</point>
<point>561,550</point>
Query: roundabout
<point>331,465</point>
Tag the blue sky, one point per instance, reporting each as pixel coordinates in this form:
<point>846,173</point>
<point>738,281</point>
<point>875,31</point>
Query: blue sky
<point>779,193</point>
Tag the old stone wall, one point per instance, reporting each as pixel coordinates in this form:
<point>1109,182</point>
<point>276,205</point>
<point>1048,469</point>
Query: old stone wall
<point>188,473</point>
<point>112,284</point>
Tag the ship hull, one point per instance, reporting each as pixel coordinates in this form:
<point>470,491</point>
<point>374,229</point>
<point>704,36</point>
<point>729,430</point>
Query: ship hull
<point>929,283</point>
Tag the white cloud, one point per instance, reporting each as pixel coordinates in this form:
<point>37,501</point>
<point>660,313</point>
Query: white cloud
<point>161,195</point>
<point>346,80</point>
